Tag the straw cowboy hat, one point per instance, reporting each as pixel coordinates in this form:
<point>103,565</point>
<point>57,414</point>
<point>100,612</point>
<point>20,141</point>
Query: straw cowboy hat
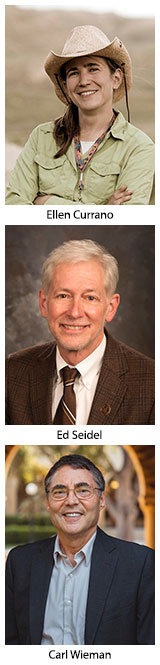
<point>89,40</point>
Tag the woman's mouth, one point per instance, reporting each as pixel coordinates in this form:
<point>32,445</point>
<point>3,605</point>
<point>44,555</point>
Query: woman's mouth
<point>87,93</point>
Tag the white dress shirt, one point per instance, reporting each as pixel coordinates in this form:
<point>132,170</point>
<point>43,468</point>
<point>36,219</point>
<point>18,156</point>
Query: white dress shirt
<point>64,620</point>
<point>84,386</point>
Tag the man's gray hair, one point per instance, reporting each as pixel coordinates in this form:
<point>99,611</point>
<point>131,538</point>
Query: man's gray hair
<point>74,251</point>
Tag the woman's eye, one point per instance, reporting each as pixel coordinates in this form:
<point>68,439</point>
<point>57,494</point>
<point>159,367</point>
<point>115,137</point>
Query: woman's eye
<point>72,73</point>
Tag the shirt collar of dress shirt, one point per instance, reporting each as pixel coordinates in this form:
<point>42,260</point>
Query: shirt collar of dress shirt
<point>88,367</point>
<point>86,550</point>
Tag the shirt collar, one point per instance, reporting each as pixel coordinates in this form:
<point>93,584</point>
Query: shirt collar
<point>86,550</point>
<point>89,367</point>
<point>119,126</point>
<point>117,130</point>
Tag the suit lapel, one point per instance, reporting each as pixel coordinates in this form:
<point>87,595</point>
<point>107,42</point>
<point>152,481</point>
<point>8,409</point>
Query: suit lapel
<point>104,559</point>
<point>110,391</point>
<point>112,385</point>
<point>42,564</point>
<point>41,386</point>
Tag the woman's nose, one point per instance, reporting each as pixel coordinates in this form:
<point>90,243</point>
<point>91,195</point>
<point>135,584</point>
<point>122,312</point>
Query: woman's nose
<point>83,77</point>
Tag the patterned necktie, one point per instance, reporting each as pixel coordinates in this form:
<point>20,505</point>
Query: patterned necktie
<point>66,410</point>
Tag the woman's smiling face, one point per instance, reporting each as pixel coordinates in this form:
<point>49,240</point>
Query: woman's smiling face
<point>90,83</point>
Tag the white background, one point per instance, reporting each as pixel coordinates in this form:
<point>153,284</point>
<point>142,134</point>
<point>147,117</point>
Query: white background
<point>112,434</point>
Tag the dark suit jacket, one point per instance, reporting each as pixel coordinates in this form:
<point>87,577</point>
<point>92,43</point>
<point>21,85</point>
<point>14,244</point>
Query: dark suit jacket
<point>124,393</point>
<point>120,604</point>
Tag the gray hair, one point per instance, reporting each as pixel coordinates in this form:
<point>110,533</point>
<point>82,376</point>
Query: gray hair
<point>74,251</point>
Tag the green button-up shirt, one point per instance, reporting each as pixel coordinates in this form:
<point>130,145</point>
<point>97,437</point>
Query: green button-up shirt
<point>124,157</point>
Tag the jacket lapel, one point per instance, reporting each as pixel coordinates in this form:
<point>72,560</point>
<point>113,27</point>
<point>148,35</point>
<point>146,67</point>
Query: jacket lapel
<point>42,564</point>
<point>110,391</point>
<point>104,559</point>
<point>41,386</point>
<point>112,385</point>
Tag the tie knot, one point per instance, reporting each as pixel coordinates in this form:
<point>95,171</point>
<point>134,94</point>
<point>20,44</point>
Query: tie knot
<point>69,375</point>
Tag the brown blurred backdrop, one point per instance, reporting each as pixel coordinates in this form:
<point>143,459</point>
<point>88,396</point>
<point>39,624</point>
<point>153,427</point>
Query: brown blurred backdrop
<point>28,246</point>
<point>30,97</point>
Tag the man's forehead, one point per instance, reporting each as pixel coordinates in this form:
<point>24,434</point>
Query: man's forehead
<point>78,278</point>
<point>67,472</point>
<point>91,267</point>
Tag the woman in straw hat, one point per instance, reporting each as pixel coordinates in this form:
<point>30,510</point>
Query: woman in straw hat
<point>91,155</point>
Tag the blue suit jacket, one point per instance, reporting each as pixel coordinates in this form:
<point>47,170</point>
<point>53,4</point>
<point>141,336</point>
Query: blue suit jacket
<point>120,604</point>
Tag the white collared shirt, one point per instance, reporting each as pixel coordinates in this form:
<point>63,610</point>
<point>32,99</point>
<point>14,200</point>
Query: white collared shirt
<point>84,386</point>
<point>65,611</point>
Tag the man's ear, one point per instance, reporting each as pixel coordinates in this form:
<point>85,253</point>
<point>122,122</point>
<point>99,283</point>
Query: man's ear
<point>47,504</point>
<point>102,501</point>
<point>43,303</point>
<point>112,307</point>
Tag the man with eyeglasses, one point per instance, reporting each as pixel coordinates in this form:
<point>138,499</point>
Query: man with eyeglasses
<point>82,586</point>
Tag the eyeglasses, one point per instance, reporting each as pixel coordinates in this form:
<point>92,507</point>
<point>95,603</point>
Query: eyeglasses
<point>81,491</point>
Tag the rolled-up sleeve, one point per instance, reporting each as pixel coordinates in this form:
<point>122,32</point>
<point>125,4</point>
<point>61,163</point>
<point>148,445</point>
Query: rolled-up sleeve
<point>138,174</point>
<point>124,157</point>
<point>23,184</point>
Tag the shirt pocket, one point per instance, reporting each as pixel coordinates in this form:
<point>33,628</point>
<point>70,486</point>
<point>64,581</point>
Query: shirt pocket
<point>103,180</point>
<point>50,173</point>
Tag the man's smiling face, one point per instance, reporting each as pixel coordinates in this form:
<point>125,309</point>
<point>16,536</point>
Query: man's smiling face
<point>72,516</point>
<point>76,307</point>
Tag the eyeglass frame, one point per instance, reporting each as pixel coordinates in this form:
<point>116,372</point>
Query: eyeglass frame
<point>73,489</point>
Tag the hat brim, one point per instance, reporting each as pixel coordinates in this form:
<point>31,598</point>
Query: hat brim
<point>115,51</point>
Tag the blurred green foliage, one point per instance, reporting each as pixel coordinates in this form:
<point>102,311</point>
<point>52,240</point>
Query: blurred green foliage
<point>18,534</point>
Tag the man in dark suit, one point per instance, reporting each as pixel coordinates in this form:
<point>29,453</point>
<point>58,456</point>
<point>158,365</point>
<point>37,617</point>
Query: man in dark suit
<point>114,384</point>
<point>82,587</point>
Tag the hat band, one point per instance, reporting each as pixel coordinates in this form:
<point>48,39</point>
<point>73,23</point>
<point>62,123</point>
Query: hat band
<point>126,91</point>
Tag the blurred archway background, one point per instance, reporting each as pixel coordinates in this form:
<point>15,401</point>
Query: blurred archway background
<point>130,498</point>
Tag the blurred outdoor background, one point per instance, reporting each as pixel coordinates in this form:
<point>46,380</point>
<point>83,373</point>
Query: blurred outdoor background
<point>130,498</point>
<point>30,97</point>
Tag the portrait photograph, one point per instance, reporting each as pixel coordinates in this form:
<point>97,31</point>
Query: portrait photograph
<point>79,104</point>
<point>80,545</point>
<point>83,298</point>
